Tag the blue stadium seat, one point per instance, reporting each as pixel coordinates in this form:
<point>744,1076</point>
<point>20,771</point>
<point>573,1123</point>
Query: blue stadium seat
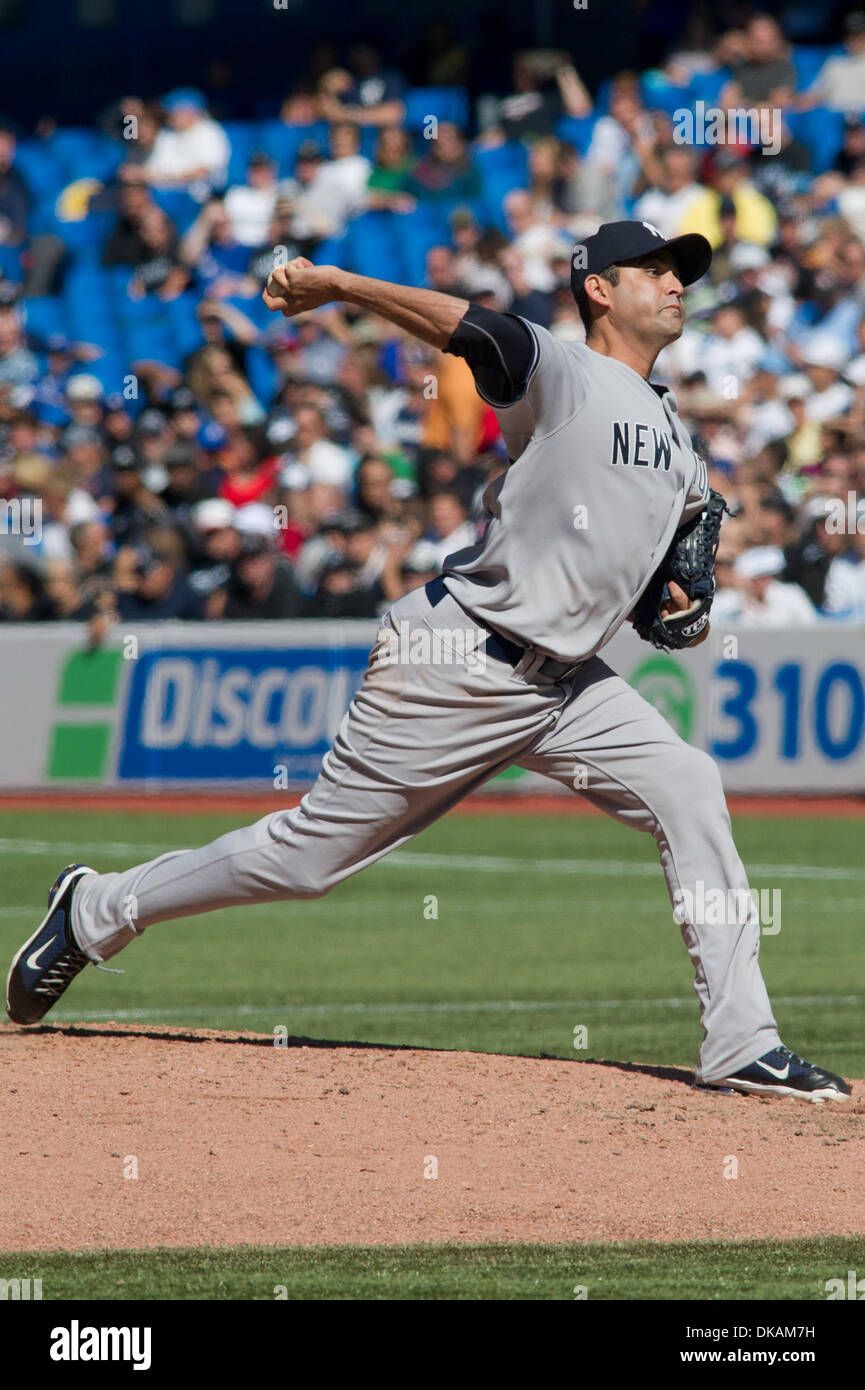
<point>69,143</point>
<point>368,141</point>
<point>42,218</point>
<point>821,130</point>
<point>92,238</point>
<point>331,251</point>
<point>10,264</point>
<point>44,316</point>
<point>418,231</point>
<point>39,168</point>
<point>707,86</point>
<point>261,373</point>
<point>577,130</point>
<point>512,157</point>
<point>135,313</point>
<point>110,370</point>
<point>240,138</point>
<point>282,142</point>
<point>501,171</point>
<point>89,279</point>
<point>372,246</point>
<point>659,95</point>
<point>180,207</point>
<point>105,157</point>
<point>85,241</point>
<point>445,103</point>
<point>808,59</point>
<point>253,307</point>
<point>83,154</point>
<point>185,328</point>
<point>117,279</point>
<point>99,332</point>
<point>495,192</point>
<point>94,315</point>
<point>602,99</point>
<point>152,342</point>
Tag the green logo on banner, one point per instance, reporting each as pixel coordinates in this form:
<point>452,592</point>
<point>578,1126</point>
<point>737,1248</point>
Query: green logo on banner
<point>670,688</point>
<point>80,742</point>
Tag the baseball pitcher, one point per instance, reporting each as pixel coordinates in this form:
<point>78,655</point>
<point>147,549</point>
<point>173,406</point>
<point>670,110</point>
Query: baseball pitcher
<point>603,516</point>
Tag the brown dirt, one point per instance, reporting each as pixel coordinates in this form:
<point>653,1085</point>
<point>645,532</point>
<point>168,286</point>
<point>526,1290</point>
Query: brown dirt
<point>240,1142</point>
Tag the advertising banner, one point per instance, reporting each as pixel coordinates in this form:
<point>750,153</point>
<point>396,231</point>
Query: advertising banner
<point>257,705</point>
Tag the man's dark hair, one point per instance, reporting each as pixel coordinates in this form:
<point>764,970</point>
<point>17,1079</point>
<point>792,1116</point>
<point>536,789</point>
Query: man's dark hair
<point>779,505</point>
<point>776,451</point>
<point>611,274</point>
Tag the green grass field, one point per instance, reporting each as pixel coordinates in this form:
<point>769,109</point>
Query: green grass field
<point>543,923</point>
<point>710,1270</point>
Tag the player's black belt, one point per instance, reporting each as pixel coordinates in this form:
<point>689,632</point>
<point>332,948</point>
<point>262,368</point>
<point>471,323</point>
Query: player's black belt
<point>502,648</point>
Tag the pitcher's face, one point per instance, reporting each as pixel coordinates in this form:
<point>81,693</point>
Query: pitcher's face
<point>648,299</point>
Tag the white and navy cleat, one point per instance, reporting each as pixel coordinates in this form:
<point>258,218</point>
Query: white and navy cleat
<point>782,1073</point>
<point>48,962</point>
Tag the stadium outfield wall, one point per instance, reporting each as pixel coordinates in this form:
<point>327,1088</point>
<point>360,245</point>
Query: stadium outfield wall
<point>256,705</point>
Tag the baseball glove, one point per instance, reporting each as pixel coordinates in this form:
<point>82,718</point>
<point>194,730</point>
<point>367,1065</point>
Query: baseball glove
<point>690,562</point>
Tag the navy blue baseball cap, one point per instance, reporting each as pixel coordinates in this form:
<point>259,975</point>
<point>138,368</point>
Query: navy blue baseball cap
<point>615,242</point>
<point>124,459</point>
<point>184,97</point>
<point>212,437</point>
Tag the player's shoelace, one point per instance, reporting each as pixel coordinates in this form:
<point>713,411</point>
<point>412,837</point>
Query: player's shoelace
<point>796,1061</point>
<point>61,973</point>
<point>794,1057</point>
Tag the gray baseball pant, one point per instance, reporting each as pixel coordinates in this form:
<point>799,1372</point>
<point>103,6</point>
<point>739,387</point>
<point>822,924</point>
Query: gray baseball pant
<point>434,718</point>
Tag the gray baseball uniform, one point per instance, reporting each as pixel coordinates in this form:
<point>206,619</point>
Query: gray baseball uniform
<point>602,474</point>
<point>463,682</point>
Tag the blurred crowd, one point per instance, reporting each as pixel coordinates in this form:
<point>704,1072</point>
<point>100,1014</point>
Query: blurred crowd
<point>234,465</point>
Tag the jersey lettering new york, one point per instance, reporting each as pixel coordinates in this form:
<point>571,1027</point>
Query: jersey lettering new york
<point>644,446</point>
<point>603,473</point>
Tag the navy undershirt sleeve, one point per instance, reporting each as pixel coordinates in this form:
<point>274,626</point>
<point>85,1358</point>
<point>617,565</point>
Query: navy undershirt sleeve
<point>499,348</point>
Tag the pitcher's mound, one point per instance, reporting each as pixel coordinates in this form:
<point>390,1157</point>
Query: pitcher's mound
<point>130,1135</point>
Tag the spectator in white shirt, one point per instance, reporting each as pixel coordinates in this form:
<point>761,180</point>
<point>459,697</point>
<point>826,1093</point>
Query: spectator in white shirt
<point>536,239</point>
<point>192,153</point>
<point>325,461</point>
<point>765,414</point>
<point>623,142</point>
<point>729,355</point>
<point>250,206</point>
<point>851,200</point>
<point>823,359</point>
<point>450,528</point>
<point>840,83</point>
<point>759,599</point>
<point>855,369</point>
<point>666,205</point>
<point>336,191</point>
<point>844,594</point>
